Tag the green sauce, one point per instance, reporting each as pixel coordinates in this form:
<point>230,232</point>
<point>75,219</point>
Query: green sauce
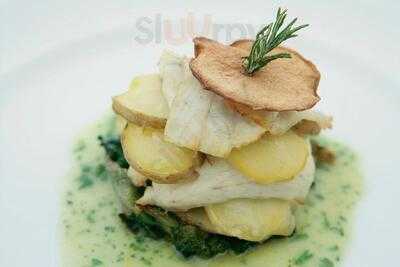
<point>93,235</point>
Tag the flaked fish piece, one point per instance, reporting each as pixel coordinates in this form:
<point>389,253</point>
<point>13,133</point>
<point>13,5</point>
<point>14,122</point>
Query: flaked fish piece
<point>306,122</point>
<point>171,68</point>
<point>200,120</point>
<point>219,182</point>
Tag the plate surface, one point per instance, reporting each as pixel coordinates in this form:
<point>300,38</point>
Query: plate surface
<point>59,65</point>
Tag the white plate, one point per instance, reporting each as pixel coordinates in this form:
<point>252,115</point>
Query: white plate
<point>61,63</point>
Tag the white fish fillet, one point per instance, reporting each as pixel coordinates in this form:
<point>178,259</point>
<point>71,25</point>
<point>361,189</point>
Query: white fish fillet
<point>171,68</point>
<point>219,182</point>
<point>280,122</point>
<point>219,126</point>
<point>245,131</point>
<point>198,118</point>
<point>136,178</point>
<point>187,116</point>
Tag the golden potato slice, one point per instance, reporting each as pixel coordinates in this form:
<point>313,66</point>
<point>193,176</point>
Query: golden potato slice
<point>143,104</point>
<point>272,158</point>
<point>163,162</point>
<point>253,219</point>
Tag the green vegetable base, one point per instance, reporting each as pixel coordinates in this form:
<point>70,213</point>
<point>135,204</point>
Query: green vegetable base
<point>156,223</point>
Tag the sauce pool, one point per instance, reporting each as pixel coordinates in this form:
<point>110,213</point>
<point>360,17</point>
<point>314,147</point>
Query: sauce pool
<point>92,234</point>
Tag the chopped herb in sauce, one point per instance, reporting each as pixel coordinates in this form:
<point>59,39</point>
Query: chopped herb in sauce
<point>325,262</point>
<point>303,258</point>
<point>334,248</point>
<point>85,181</point>
<point>145,261</point>
<point>328,225</point>
<point>96,262</point>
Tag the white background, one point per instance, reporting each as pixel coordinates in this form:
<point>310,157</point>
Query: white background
<point>60,61</point>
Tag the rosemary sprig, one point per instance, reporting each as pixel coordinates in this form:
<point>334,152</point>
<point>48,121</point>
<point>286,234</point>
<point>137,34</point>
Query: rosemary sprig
<point>267,39</point>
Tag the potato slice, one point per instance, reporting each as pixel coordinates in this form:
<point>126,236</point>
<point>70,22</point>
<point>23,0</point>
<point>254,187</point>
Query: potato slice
<point>272,158</point>
<point>148,153</point>
<point>253,219</point>
<point>144,103</point>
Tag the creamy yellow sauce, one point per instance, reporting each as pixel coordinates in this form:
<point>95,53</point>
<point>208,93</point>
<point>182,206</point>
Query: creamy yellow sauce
<point>93,235</point>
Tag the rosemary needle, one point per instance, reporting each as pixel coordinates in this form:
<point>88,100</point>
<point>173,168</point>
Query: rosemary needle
<point>267,39</point>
